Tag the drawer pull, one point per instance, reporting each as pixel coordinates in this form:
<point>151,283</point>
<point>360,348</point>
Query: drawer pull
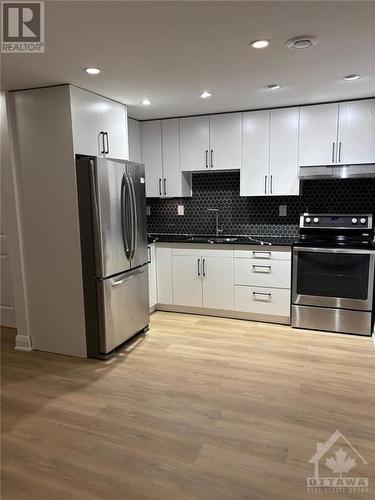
<point>255,266</point>
<point>255,252</point>
<point>262,293</point>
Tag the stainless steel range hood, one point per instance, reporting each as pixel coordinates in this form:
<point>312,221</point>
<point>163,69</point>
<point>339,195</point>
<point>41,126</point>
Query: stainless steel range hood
<point>337,171</point>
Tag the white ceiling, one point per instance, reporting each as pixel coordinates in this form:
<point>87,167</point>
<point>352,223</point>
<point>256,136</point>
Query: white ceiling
<point>171,51</point>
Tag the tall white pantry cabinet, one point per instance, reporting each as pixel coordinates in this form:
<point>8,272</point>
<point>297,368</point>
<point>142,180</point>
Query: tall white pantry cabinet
<point>50,126</point>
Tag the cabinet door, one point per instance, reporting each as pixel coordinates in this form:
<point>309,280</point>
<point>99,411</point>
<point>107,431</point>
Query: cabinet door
<point>318,134</point>
<point>87,124</point>
<point>134,132</point>
<point>284,152</point>
<point>357,132</point>
<point>152,157</point>
<point>152,276</point>
<point>218,282</point>
<point>171,158</point>
<point>115,124</point>
<point>256,152</point>
<point>194,143</point>
<point>164,273</point>
<point>187,281</point>
<point>225,141</point>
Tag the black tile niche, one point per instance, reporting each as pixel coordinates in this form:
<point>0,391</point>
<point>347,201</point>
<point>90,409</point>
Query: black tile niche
<point>260,214</point>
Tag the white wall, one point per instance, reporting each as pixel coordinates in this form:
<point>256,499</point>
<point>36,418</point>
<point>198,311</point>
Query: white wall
<point>13,285</point>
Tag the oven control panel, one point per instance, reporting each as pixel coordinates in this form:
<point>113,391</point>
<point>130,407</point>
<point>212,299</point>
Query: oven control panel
<point>360,221</point>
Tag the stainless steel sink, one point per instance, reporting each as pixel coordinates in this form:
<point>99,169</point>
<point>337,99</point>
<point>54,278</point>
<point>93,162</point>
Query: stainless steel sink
<point>210,239</point>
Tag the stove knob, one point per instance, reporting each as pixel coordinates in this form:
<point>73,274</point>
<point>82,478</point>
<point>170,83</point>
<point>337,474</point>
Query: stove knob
<point>316,220</point>
<point>354,220</point>
<point>308,220</point>
<point>363,220</point>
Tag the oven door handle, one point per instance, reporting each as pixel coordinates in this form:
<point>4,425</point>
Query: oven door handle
<point>334,250</point>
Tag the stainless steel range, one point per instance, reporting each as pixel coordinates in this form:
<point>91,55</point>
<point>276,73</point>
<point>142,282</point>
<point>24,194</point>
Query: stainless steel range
<point>333,274</point>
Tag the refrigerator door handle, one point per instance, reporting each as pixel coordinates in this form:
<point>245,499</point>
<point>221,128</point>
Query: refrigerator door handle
<point>125,193</point>
<point>134,218</point>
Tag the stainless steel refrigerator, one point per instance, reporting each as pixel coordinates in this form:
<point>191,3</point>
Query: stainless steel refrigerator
<point>112,214</point>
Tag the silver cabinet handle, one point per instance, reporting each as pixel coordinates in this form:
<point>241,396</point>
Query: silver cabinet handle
<point>271,184</point>
<point>333,152</point>
<point>165,187</point>
<point>206,158</point>
<point>255,266</point>
<point>160,191</point>
<point>120,282</point>
<point>212,158</point>
<point>199,267</point>
<point>107,141</point>
<point>102,152</point>
<point>262,253</point>
<point>340,144</point>
<point>265,184</point>
<point>149,254</point>
<point>262,293</point>
<point>204,267</point>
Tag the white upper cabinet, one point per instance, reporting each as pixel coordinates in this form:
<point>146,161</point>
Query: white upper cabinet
<point>225,141</point>
<point>194,143</point>
<point>152,157</point>
<point>87,122</point>
<point>175,183</point>
<point>318,134</point>
<point>99,125</point>
<point>356,132</point>
<point>256,153</point>
<point>284,152</point>
<point>160,145</point>
<point>115,126</point>
<point>134,132</point>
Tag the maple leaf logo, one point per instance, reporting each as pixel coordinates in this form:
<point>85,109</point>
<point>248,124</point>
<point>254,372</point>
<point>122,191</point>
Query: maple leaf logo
<point>341,463</point>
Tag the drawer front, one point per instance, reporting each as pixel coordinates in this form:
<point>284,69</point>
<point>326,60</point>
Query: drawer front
<point>259,300</point>
<point>258,272</point>
<point>262,252</point>
<point>202,249</point>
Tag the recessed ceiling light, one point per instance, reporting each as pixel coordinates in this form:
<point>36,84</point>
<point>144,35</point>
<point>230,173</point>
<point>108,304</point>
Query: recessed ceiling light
<point>146,102</point>
<point>273,86</point>
<point>205,94</point>
<point>302,42</point>
<point>260,44</point>
<point>352,76</point>
<point>92,71</point>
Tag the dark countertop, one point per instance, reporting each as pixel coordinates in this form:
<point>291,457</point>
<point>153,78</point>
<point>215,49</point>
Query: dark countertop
<point>240,240</point>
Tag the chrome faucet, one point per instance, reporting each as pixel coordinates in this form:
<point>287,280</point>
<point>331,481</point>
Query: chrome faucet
<point>217,230</point>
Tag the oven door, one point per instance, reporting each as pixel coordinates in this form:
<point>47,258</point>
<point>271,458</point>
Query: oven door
<point>333,277</point>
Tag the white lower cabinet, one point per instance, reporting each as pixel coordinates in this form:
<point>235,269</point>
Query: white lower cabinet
<point>241,280</point>
<point>187,281</point>
<point>217,282</point>
<point>152,276</point>
<point>264,301</point>
<point>164,273</point>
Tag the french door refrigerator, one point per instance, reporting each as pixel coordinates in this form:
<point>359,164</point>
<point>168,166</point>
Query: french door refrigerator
<point>112,215</point>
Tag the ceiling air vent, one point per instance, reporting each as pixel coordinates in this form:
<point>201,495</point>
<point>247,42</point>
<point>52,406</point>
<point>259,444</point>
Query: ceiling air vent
<point>302,42</point>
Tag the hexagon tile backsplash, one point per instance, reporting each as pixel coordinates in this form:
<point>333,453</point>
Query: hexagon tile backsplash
<point>256,215</point>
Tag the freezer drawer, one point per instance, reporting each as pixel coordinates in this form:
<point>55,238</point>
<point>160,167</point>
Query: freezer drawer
<point>124,307</point>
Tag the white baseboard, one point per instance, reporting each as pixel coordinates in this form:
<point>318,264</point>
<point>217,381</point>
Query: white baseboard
<point>23,343</point>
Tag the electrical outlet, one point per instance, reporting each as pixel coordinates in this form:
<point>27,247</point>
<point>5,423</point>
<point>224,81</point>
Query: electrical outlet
<point>180,210</point>
<point>148,210</point>
<point>282,210</point>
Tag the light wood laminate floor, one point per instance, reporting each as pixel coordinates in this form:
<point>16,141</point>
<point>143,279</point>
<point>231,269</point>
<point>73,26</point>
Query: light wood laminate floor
<point>199,408</point>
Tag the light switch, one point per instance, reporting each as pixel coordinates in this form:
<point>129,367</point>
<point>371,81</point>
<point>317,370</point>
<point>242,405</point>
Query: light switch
<point>282,210</point>
<point>180,210</point>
